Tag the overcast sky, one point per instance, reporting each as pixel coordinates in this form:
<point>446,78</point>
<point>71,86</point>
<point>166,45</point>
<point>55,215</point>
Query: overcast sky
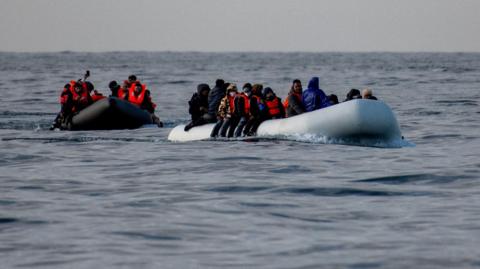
<point>240,25</point>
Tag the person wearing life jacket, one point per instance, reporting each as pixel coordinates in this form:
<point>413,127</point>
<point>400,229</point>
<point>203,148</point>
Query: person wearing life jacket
<point>116,90</point>
<point>225,113</point>
<point>93,93</point>
<point>293,103</point>
<point>80,97</point>
<point>242,108</point>
<point>258,111</point>
<point>313,97</point>
<point>198,106</point>
<point>273,104</point>
<point>65,103</point>
<point>140,96</point>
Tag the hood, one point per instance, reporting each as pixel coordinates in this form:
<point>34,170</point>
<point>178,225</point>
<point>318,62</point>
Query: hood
<point>314,83</point>
<point>202,87</point>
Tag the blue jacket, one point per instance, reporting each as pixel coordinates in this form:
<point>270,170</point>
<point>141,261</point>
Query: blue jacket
<point>313,97</point>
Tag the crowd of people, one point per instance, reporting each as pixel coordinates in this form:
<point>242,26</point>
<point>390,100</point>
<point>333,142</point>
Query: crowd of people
<point>239,113</point>
<point>79,94</point>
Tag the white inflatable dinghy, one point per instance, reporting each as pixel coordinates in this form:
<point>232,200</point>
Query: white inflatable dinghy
<point>355,119</point>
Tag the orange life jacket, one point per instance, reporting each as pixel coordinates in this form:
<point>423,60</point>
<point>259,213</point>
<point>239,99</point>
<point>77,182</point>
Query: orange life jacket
<point>274,107</point>
<point>82,98</point>
<point>121,93</point>
<point>231,102</point>
<point>246,102</point>
<point>97,96</point>
<point>136,99</point>
<point>295,95</point>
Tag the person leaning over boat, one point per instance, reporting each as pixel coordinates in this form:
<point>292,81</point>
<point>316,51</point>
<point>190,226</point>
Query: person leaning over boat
<point>139,95</point>
<point>242,108</point>
<point>273,104</point>
<point>198,106</point>
<point>257,111</point>
<point>367,94</point>
<point>73,99</point>
<point>293,103</point>
<point>313,97</point>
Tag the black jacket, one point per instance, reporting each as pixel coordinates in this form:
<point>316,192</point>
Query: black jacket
<point>197,106</point>
<point>214,98</point>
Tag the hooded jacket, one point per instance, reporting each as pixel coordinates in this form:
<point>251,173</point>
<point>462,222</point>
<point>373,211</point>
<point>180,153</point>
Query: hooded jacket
<point>313,97</point>
<point>198,101</point>
<point>214,98</point>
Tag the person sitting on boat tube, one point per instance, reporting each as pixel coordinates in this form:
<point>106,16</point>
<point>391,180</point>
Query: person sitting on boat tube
<point>273,104</point>
<point>367,94</point>
<point>353,94</point>
<point>198,106</point>
<point>313,97</point>
<point>227,121</point>
<point>140,96</point>
<point>93,93</point>
<point>73,99</point>
<point>214,98</point>
<point>116,90</point>
<point>257,111</point>
<point>242,108</point>
<point>294,102</point>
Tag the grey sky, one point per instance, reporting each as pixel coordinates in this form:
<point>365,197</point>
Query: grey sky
<point>240,25</point>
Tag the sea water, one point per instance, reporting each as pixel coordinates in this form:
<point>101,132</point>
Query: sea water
<point>132,199</point>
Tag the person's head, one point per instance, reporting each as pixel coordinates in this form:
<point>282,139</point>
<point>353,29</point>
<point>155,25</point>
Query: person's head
<point>138,88</point>
<point>232,89</point>
<point>353,94</point>
<point>247,89</point>
<point>67,86</point>
<point>113,85</point>
<point>257,89</point>
<point>268,94</point>
<point>219,83</point>
<point>132,78</point>
<point>297,86</point>
<point>367,93</point>
<point>203,89</point>
<point>333,99</point>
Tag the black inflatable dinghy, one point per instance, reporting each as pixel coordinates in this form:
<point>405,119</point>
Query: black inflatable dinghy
<point>109,114</point>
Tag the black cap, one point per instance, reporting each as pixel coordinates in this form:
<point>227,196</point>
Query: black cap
<point>219,82</point>
<point>113,84</point>
<point>132,78</point>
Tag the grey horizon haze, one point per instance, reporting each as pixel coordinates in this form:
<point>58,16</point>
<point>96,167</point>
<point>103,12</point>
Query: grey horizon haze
<point>240,25</point>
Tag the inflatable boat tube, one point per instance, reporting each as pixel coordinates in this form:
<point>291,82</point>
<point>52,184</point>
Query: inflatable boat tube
<point>356,119</point>
<point>109,114</point>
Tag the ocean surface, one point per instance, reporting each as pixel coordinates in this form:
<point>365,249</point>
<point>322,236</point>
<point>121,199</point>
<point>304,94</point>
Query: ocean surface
<point>132,199</point>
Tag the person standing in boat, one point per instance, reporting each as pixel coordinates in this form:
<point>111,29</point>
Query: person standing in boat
<point>198,106</point>
<point>294,102</point>
<point>139,95</point>
<point>273,104</point>
<point>313,97</point>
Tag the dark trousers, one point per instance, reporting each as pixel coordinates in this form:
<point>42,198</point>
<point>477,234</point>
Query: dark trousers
<point>251,126</point>
<point>229,125</point>
<point>216,128</point>
<point>241,124</point>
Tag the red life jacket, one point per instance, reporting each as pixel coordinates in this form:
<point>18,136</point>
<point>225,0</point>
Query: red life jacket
<point>121,93</point>
<point>231,102</point>
<point>81,98</point>
<point>274,107</point>
<point>97,96</point>
<point>136,99</point>
<point>246,102</point>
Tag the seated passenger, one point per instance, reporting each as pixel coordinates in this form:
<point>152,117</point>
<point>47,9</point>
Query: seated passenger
<point>116,90</point>
<point>242,108</point>
<point>367,94</point>
<point>214,98</point>
<point>258,112</point>
<point>226,114</point>
<point>333,99</point>
<point>293,103</point>
<point>140,96</point>
<point>80,99</point>
<point>313,97</point>
<point>273,104</point>
<point>93,93</point>
<point>198,106</point>
<point>353,94</point>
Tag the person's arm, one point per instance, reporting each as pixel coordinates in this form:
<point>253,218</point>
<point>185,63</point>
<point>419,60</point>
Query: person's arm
<point>254,109</point>
<point>282,109</point>
<point>239,106</point>
<point>193,108</point>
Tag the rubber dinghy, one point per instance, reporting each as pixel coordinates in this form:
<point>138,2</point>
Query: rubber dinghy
<point>108,114</point>
<point>348,121</point>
